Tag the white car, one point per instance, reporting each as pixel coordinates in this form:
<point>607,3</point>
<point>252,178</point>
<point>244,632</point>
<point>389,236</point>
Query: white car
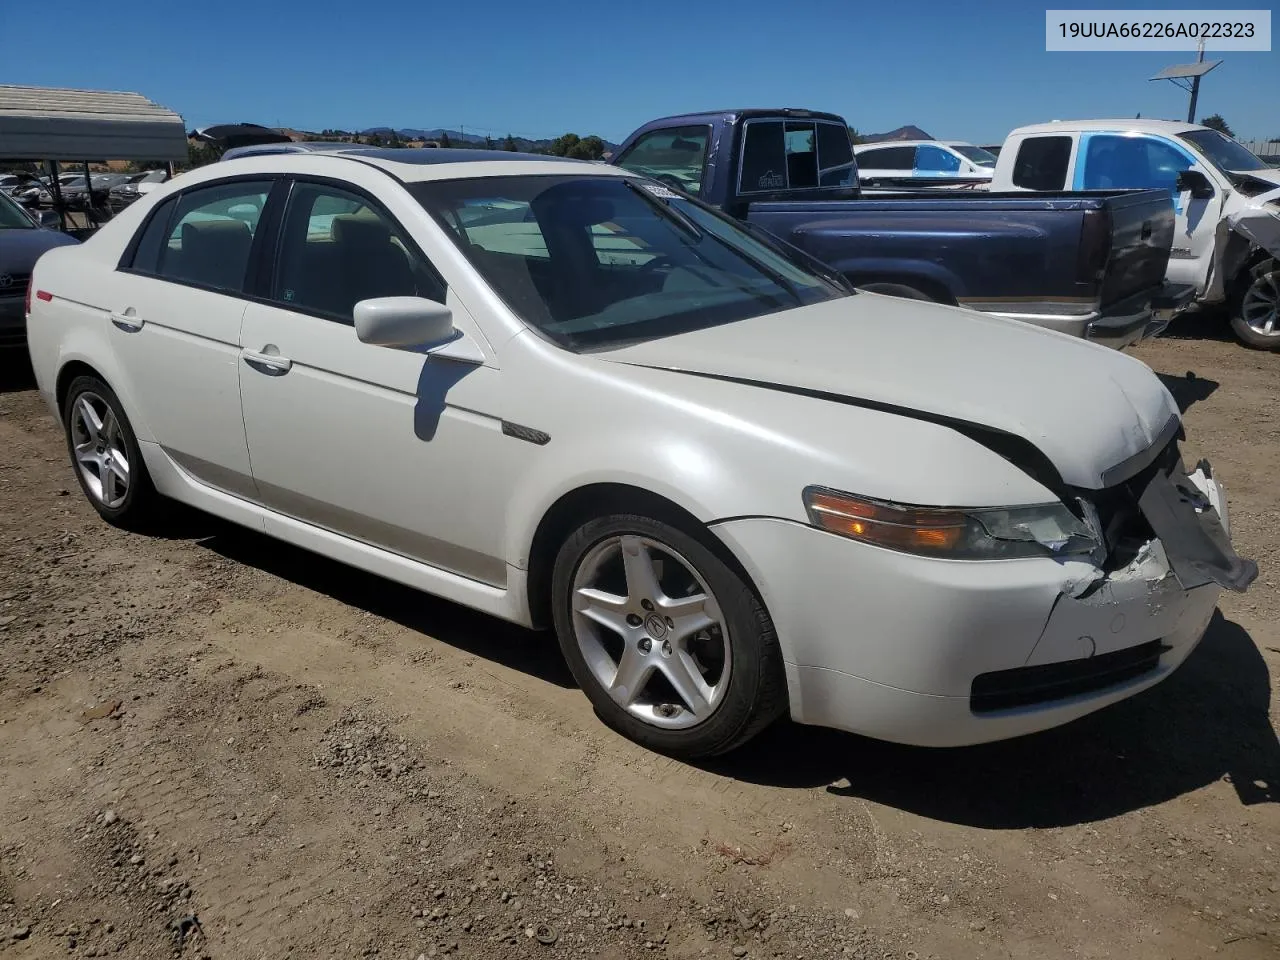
<point>567,395</point>
<point>917,159</point>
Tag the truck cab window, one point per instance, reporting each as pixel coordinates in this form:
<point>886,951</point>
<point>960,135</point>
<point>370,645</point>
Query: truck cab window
<point>1041,163</point>
<point>674,156</point>
<point>1118,162</point>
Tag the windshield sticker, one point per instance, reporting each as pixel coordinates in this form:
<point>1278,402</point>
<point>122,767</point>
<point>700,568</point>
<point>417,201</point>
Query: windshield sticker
<point>771,181</point>
<point>661,192</point>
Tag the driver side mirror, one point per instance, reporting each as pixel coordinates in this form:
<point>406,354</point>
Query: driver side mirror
<point>1195,182</point>
<point>50,220</point>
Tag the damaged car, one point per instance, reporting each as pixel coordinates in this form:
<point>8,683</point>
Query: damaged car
<point>1226,202</point>
<point>570,397</point>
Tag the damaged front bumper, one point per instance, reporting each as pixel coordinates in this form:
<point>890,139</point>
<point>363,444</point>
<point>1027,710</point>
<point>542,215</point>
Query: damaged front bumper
<point>946,653</point>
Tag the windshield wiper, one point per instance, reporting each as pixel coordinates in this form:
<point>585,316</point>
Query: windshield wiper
<point>665,208</point>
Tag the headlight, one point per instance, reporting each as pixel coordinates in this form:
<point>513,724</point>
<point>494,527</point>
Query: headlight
<point>955,533</point>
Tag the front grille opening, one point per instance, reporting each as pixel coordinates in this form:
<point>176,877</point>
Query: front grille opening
<point>1044,683</point>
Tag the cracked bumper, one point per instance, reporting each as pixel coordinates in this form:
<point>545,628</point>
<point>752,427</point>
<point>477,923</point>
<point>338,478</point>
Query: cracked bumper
<point>889,645</point>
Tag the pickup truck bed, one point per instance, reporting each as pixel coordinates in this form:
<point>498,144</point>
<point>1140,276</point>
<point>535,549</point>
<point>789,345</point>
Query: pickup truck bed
<point>1078,262</point>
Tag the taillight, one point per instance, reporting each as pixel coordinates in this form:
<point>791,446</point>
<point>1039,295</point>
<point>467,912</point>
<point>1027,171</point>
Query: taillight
<point>1095,246</point>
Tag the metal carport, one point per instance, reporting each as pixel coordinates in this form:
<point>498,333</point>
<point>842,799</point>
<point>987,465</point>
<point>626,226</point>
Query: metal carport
<point>56,125</point>
<point>48,123</point>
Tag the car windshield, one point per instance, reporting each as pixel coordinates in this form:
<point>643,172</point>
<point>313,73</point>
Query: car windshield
<point>594,262</point>
<point>983,158</point>
<point>1223,152</point>
<point>12,217</point>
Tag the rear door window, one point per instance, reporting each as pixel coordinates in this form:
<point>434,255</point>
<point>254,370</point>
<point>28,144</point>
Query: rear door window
<point>887,158</point>
<point>1042,163</point>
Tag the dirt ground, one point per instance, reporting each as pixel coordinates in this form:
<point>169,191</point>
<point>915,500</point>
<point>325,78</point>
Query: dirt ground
<point>214,745</point>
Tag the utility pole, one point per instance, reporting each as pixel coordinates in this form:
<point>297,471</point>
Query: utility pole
<point>1195,84</point>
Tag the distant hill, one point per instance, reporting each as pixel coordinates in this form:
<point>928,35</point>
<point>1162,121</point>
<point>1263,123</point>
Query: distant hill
<point>909,132</point>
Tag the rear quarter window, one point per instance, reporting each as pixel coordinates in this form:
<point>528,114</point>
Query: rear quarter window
<point>1041,163</point>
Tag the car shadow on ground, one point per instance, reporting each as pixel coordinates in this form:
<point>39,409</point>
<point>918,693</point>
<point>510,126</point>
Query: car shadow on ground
<point>1208,721</point>
<point>1188,389</point>
<point>16,374</point>
<point>1201,323</point>
<point>475,633</point>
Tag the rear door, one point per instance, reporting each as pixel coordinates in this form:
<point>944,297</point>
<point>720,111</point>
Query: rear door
<point>176,304</point>
<point>394,448</point>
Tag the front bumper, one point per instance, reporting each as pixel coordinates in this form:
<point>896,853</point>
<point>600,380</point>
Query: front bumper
<point>911,649</point>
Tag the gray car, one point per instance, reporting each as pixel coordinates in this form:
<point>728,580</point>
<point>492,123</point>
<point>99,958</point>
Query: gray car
<point>22,241</point>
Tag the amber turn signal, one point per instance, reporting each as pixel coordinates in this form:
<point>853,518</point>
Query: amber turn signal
<point>914,529</point>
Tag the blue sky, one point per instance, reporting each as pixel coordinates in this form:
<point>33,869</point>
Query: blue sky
<point>960,69</point>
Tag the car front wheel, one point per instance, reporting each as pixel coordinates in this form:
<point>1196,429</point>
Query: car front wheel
<point>1255,311</point>
<point>668,641</point>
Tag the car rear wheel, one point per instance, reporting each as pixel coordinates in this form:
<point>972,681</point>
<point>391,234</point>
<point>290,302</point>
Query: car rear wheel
<point>1255,308</point>
<point>104,452</point>
<point>670,644</point>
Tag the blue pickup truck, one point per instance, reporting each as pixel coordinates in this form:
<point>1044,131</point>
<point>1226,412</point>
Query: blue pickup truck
<point>1090,263</point>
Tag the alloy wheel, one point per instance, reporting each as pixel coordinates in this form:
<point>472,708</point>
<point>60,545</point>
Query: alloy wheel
<point>1260,307</point>
<point>100,452</point>
<point>651,631</point>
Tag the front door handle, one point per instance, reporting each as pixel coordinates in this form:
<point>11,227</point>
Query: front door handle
<point>128,322</point>
<point>269,363</point>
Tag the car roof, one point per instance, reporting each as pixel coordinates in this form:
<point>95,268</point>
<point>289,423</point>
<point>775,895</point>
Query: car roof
<point>1132,125</point>
<point>416,165</point>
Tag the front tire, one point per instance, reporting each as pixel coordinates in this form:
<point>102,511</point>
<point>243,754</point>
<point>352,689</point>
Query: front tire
<point>667,640</point>
<point>1255,306</point>
<point>105,455</point>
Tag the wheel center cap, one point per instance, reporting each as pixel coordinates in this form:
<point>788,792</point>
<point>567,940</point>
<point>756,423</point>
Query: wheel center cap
<point>655,626</point>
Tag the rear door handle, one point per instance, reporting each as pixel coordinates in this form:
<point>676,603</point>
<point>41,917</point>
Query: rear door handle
<point>269,363</point>
<point>128,322</point>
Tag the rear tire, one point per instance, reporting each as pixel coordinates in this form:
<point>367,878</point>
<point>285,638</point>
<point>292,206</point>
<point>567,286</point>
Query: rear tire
<point>1255,306</point>
<point>896,290</point>
<point>695,645</point>
<point>105,455</point>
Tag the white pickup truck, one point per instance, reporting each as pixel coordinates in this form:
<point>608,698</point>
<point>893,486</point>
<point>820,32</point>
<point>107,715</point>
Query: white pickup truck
<point>1226,201</point>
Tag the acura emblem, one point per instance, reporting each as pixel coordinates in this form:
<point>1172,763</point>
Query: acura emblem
<point>6,281</point>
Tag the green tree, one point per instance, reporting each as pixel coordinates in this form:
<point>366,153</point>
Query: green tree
<point>200,154</point>
<point>509,144</point>
<point>444,139</point>
<point>561,146</point>
<point>854,135</point>
<point>1216,122</point>
<point>489,144</point>
<point>588,148</point>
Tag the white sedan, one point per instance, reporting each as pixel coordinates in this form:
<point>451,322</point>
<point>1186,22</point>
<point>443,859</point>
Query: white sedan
<point>567,396</point>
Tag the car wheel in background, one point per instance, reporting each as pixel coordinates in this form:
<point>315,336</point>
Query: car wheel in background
<point>104,453</point>
<point>1255,306</point>
<point>669,642</point>
<point>895,290</point>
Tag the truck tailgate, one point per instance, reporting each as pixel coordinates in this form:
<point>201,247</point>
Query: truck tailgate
<point>1141,225</point>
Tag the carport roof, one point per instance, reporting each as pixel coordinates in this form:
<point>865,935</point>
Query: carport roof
<point>49,123</point>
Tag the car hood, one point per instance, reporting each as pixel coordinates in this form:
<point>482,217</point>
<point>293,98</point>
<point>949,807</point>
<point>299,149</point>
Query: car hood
<point>21,248</point>
<point>1084,407</point>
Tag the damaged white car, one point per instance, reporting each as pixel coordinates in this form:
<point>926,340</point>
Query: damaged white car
<point>1226,201</point>
<point>567,396</point>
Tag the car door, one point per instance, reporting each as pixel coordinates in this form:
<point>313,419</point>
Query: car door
<point>176,304</point>
<point>1119,161</point>
<point>391,447</point>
